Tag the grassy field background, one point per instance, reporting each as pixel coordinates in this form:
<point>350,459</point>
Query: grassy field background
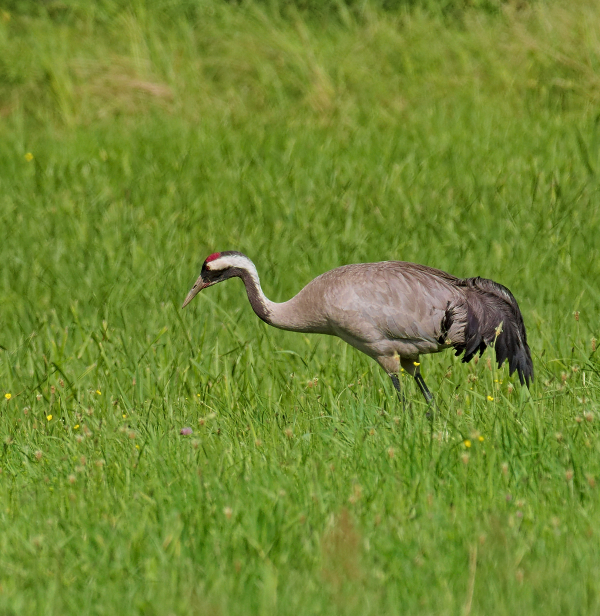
<point>137,138</point>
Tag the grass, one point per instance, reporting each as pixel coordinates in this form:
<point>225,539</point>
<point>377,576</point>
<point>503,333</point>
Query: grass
<point>160,133</point>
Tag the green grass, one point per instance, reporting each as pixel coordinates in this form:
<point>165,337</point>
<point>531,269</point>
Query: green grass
<point>162,132</point>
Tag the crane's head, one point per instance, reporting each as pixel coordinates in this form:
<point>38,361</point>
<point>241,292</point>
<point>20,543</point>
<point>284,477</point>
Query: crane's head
<point>216,268</point>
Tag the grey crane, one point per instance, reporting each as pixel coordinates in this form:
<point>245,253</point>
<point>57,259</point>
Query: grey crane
<point>393,311</point>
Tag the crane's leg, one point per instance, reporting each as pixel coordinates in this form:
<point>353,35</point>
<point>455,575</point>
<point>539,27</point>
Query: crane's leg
<point>424,389</point>
<point>400,393</point>
<point>412,367</point>
<point>391,364</point>
<point>396,384</point>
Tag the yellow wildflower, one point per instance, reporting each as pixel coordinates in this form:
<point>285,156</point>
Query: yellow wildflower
<point>490,398</point>
<point>49,417</point>
<point>29,157</point>
<point>76,426</point>
<point>480,439</point>
<point>416,363</point>
<point>98,392</point>
<point>124,415</point>
<point>467,443</point>
<point>8,396</point>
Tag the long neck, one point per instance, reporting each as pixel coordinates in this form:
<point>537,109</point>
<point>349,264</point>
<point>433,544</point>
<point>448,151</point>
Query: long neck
<point>261,304</point>
<point>297,314</point>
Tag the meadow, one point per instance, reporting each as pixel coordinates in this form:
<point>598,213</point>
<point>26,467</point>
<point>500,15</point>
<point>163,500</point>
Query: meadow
<point>138,137</point>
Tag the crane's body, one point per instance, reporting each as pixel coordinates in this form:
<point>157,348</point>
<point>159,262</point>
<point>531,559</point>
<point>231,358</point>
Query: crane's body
<point>392,311</point>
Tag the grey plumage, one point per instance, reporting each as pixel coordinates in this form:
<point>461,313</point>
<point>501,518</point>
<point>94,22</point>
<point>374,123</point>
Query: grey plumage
<point>393,311</point>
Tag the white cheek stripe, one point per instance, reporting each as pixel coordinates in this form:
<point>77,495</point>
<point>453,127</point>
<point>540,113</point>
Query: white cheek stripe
<point>234,261</point>
<point>228,261</point>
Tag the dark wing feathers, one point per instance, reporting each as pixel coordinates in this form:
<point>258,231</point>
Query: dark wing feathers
<point>489,306</point>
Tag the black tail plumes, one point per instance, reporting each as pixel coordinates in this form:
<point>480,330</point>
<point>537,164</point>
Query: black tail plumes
<point>494,319</point>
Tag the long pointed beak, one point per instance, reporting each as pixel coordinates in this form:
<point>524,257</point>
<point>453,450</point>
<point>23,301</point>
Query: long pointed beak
<point>198,286</point>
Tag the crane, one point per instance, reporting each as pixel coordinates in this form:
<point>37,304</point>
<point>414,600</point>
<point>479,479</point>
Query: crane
<point>393,311</point>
